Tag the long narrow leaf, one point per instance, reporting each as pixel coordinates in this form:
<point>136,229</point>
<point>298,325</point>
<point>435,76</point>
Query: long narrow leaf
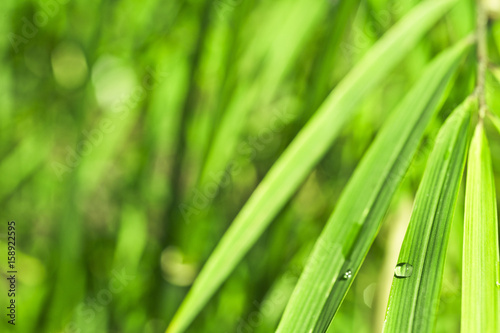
<point>480,294</point>
<point>302,155</point>
<point>495,120</point>
<point>285,42</point>
<point>418,276</point>
<point>351,229</point>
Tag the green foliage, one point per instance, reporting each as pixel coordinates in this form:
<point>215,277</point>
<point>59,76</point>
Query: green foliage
<point>303,153</point>
<point>480,280</point>
<point>418,276</point>
<point>350,231</point>
<point>134,132</point>
<point>495,120</point>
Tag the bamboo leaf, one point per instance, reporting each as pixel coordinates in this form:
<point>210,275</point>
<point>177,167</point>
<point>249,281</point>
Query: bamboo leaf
<point>350,231</point>
<point>495,120</point>
<point>281,42</point>
<point>301,156</point>
<point>480,294</point>
<point>418,276</point>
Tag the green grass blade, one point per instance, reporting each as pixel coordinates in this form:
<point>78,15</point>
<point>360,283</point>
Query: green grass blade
<point>303,153</point>
<point>480,294</point>
<point>351,229</point>
<point>416,286</point>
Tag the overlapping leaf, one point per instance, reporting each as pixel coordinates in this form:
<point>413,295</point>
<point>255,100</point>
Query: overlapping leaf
<point>480,293</point>
<point>302,155</point>
<point>495,120</point>
<point>418,276</point>
<point>351,229</point>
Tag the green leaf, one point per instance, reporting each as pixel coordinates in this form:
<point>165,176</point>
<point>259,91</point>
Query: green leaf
<point>281,44</point>
<point>418,276</point>
<point>303,153</point>
<point>480,293</point>
<point>350,231</point>
<point>495,120</point>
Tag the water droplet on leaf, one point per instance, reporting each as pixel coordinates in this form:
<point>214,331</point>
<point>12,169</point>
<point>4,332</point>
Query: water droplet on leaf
<point>347,275</point>
<point>403,270</point>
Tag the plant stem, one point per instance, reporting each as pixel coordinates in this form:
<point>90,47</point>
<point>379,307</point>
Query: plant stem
<point>482,57</point>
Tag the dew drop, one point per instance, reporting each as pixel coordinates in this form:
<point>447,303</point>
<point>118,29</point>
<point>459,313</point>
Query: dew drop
<point>403,270</point>
<point>347,275</point>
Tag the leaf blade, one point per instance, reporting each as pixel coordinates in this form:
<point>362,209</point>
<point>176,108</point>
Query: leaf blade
<point>359,212</point>
<point>302,154</point>
<point>495,120</point>
<point>415,289</point>
<point>480,295</point>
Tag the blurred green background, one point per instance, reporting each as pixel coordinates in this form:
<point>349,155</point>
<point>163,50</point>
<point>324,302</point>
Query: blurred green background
<point>132,132</point>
